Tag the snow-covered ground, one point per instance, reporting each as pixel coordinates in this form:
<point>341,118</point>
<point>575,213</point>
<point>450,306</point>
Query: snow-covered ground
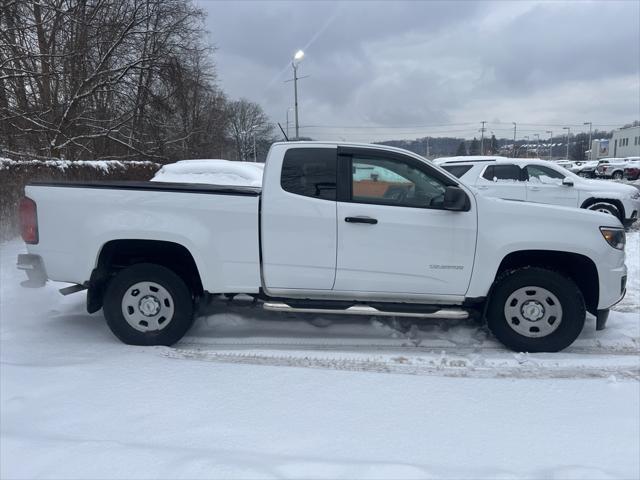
<point>250,394</point>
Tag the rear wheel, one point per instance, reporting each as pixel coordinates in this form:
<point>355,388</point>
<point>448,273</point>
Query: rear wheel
<point>535,310</point>
<point>147,304</point>
<point>617,175</point>
<point>605,207</point>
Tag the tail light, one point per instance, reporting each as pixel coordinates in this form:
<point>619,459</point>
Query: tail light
<point>29,220</point>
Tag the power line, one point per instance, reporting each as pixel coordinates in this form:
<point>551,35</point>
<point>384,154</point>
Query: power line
<point>431,125</point>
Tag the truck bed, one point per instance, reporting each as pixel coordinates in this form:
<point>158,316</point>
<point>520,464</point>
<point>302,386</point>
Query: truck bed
<point>217,224</point>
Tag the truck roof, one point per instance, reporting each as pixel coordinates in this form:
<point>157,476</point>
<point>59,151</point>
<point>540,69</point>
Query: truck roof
<point>352,144</point>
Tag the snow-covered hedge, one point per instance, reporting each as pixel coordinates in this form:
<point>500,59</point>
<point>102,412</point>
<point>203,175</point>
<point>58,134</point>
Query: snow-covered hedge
<point>15,174</point>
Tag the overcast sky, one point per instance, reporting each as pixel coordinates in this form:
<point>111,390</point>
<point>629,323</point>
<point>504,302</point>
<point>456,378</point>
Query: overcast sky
<point>387,70</point>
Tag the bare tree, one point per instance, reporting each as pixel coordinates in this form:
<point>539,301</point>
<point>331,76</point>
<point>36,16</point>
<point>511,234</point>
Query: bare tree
<point>249,128</point>
<point>107,78</point>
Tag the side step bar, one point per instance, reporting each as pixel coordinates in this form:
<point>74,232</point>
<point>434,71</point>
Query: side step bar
<point>445,313</point>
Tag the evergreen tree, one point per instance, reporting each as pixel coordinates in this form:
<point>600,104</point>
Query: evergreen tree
<point>462,150</point>
<point>474,148</point>
<point>493,145</point>
<point>576,150</point>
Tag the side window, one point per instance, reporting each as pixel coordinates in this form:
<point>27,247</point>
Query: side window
<point>542,174</point>
<point>394,182</point>
<point>502,173</point>
<point>457,170</point>
<point>310,172</point>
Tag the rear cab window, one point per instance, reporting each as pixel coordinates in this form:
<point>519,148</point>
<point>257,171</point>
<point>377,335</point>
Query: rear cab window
<point>310,172</point>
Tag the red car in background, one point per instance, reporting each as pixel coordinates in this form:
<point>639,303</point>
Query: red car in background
<point>632,169</point>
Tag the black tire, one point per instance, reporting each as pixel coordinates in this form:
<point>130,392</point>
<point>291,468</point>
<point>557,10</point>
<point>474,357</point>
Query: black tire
<point>182,304</point>
<point>606,207</point>
<point>617,175</point>
<point>564,289</point>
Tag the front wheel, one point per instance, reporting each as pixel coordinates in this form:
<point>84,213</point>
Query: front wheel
<point>605,207</point>
<point>148,304</point>
<point>535,310</point>
<point>617,175</point>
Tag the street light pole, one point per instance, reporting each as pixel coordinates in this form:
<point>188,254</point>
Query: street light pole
<point>550,132</point>
<point>537,135</point>
<point>296,58</point>
<point>590,149</point>
<point>514,139</point>
<point>482,138</point>
<point>288,109</point>
<point>568,129</point>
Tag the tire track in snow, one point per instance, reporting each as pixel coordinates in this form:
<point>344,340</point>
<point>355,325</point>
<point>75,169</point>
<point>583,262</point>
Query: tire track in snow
<point>472,364</point>
<point>408,346</point>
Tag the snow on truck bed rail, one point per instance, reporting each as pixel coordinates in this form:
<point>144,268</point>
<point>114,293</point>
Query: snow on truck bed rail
<point>214,171</point>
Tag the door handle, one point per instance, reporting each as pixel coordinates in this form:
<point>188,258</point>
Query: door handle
<point>535,189</point>
<point>367,220</point>
<point>482,187</point>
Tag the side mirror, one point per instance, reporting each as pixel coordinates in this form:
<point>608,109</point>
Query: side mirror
<point>455,199</point>
<point>567,182</point>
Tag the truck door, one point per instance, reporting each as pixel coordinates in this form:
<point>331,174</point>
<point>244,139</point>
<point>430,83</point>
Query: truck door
<point>544,185</point>
<point>394,237</point>
<point>298,218</point>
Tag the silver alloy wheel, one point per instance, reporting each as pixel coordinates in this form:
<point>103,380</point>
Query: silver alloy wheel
<point>147,306</point>
<point>533,312</point>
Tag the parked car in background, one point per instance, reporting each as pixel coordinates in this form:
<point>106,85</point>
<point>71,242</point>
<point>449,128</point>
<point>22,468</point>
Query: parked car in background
<point>568,164</point>
<point>542,181</point>
<point>586,169</point>
<point>611,168</point>
<point>632,169</point>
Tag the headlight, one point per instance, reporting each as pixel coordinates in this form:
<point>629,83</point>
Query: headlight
<point>614,237</point>
<point>635,196</point>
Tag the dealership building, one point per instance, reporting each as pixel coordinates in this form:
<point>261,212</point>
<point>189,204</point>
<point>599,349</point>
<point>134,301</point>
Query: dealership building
<point>625,142</point>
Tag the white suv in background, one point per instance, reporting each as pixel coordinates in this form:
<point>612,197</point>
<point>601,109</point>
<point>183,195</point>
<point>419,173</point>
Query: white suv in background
<point>612,167</point>
<point>541,181</point>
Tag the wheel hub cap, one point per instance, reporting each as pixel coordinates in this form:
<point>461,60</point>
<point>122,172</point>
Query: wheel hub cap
<point>149,306</point>
<point>533,311</point>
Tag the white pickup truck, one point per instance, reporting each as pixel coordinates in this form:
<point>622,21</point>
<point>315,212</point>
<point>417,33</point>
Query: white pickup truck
<point>335,228</point>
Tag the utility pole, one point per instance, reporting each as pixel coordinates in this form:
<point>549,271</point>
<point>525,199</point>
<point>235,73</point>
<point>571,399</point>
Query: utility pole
<point>550,142</point>
<point>514,139</point>
<point>590,148</point>
<point>568,129</point>
<point>295,95</point>
<point>482,138</point>
<point>537,135</point>
<point>288,122</point>
<point>427,147</point>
